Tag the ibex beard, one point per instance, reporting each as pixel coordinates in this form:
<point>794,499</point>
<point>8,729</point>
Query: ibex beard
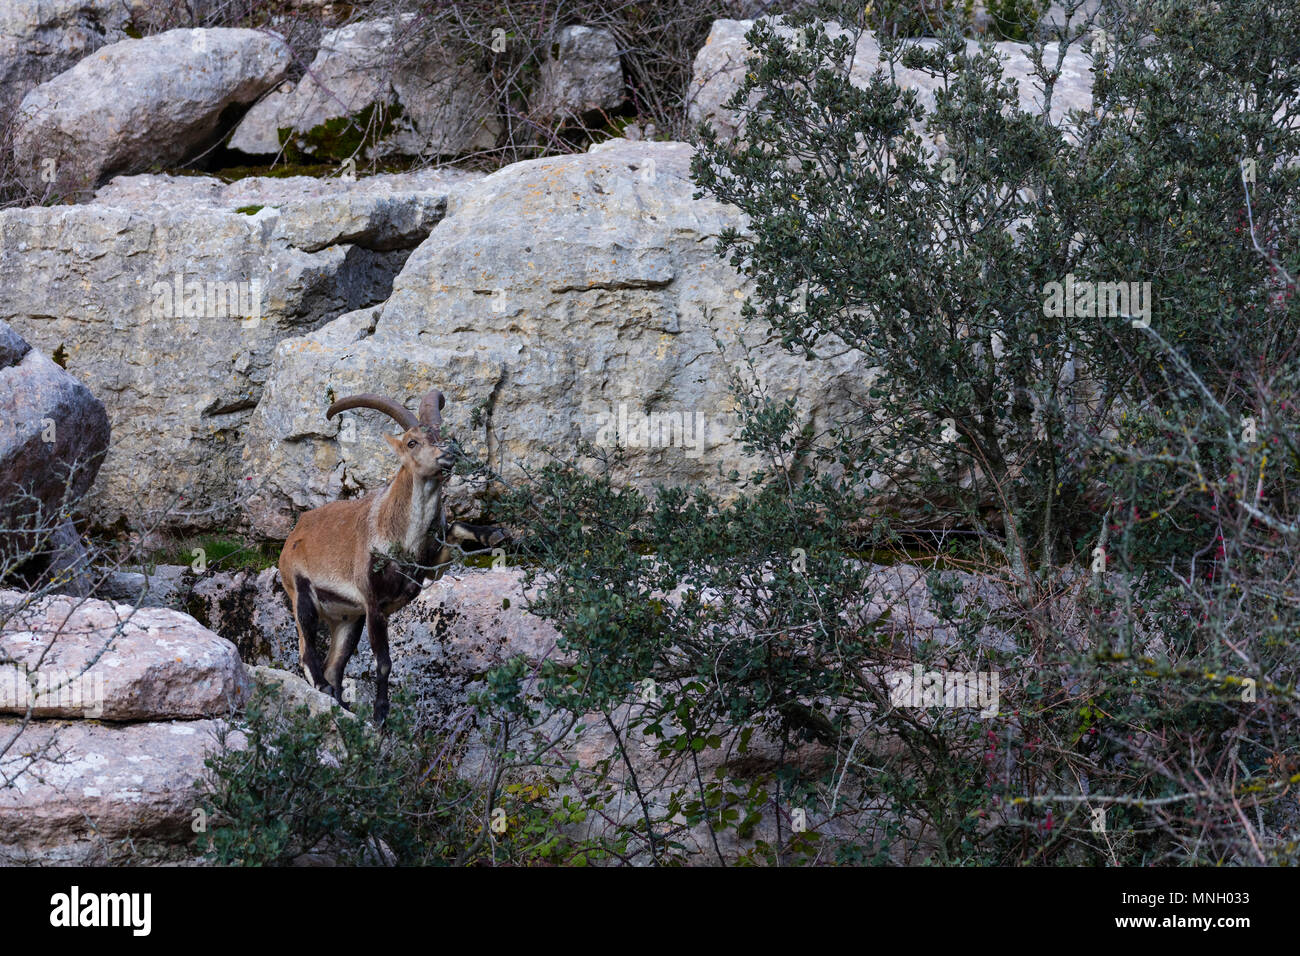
<point>348,565</point>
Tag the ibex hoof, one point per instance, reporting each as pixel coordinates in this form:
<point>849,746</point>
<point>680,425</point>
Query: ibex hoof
<point>338,699</point>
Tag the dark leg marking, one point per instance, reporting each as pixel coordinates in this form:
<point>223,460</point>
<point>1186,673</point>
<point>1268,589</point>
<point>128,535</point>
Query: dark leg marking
<point>308,622</point>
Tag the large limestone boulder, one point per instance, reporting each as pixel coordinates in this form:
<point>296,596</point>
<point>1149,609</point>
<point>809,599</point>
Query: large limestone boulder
<point>53,436</point>
<point>136,104</point>
<point>257,261</point>
<point>720,65</point>
<point>582,73</point>
<point>121,702</point>
<point>81,792</point>
<point>562,299</point>
<point>66,657</point>
<point>444,102</point>
<point>39,39</point>
<point>459,628</point>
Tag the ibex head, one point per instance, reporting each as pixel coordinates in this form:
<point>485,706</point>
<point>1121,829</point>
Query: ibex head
<point>420,446</point>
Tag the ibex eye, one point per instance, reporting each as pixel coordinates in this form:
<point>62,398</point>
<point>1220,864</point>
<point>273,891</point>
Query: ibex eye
<point>412,443</point>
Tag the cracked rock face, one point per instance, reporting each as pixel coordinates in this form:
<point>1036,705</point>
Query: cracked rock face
<point>561,299</point>
<point>169,295</point>
<point>135,104</point>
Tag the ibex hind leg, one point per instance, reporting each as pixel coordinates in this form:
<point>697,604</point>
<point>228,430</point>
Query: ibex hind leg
<point>343,645</point>
<point>308,622</point>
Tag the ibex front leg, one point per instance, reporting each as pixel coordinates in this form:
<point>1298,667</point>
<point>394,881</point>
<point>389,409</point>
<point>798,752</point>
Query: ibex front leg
<point>347,634</point>
<point>377,629</point>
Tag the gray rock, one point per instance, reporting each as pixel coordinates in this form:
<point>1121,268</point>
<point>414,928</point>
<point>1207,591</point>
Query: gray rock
<point>293,690</point>
<point>69,565</point>
<point>459,628</point>
<point>899,604</point>
<point>288,693</point>
<point>445,103</point>
<point>252,612</point>
<point>99,281</point>
<point>582,73</point>
<point>383,213</point>
<point>561,299</point>
<point>167,585</point>
<point>135,104</point>
<point>86,793</point>
<point>90,658</point>
<point>12,347</point>
<point>53,436</point>
<point>40,39</point>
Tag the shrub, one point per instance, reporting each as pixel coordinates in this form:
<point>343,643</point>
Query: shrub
<point>286,782</point>
<point>1130,487</point>
<point>305,783</point>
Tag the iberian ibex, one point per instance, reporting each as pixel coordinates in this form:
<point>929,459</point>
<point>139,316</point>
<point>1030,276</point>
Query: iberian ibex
<point>351,564</point>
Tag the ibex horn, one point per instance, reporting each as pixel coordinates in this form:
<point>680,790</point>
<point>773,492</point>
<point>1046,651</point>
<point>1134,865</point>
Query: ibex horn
<point>397,412</point>
<point>431,411</point>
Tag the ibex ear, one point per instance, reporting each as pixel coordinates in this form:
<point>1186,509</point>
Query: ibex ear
<point>393,443</point>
